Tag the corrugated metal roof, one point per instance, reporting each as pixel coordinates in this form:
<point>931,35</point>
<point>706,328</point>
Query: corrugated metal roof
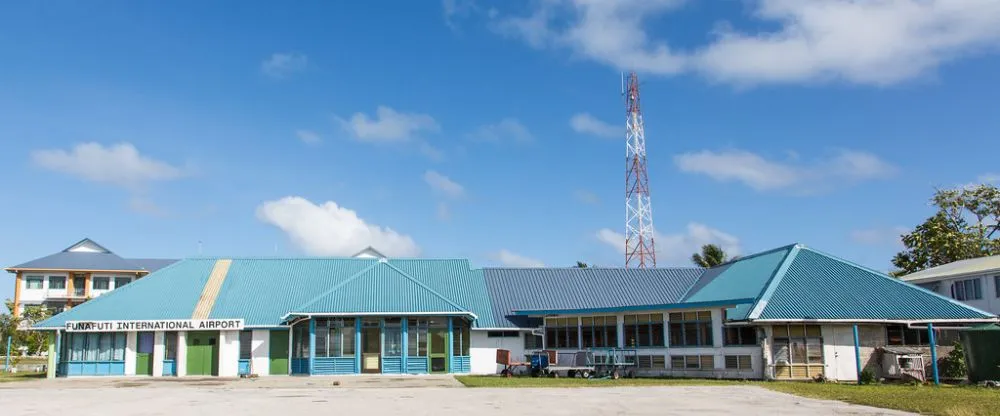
<point>513,289</point>
<point>819,286</point>
<point>456,281</point>
<point>151,265</point>
<point>69,260</point>
<point>740,279</point>
<point>381,288</point>
<point>170,293</point>
<point>956,268</point>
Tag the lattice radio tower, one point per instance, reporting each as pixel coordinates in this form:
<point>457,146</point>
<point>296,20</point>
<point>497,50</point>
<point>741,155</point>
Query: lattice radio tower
<point>640,250</point>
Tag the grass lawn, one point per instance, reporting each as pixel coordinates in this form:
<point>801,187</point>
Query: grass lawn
<point>9,377</point>
<point>942,401</point>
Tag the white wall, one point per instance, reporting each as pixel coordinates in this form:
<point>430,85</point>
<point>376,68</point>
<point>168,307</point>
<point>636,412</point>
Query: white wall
<point>130,345</point>
<point>229,353</point>
<point>159,349</point>
<point>181,361</point>
<point>989,302</point>
<point>260,362</point>
<point>483,351</point>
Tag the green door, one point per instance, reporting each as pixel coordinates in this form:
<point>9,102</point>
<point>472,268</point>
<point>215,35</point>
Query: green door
<point>202,353</point>
<point>278,353</point>
<point>438,349</point>
<point>144,354</point>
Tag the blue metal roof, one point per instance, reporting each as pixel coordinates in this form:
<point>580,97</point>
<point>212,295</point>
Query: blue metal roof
<point>524,289</point>
<point>151,265</point>
<point>740,279</point>
<point>103,260</point>
<point>818,286</point>
<point>170,293</point>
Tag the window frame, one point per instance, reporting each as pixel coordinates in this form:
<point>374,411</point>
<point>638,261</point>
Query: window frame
<point>533,342</point>
<point>703,337</point>
<point>246,345</point>
<point>57,278</point>
<point>105,279</point>
<point>591,332</point>
<point>740,336</point>
<point>648,329</point>
<point>118,278</point>
<point>996,285</point>
<point>960,289</point>
<point>564,332</point>
<point>906,335</point>
<point>29,279</point>
<point>461,338</point>
<point>740,360</point>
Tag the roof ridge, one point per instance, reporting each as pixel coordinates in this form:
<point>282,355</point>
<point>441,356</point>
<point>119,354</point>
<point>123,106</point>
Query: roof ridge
<point>335,287</point>
<point>773,281</point>
<point>897,281</point>
<point>427,288</point>
<point>588,268</point>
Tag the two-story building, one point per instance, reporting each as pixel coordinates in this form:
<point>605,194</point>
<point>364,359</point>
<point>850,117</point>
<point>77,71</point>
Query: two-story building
<point>975,282</point>
<point>72,276</point>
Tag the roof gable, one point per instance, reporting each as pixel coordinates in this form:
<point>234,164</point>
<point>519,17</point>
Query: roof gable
<point>380,288</point>
<point>86,246</point>
<point>817,286</point>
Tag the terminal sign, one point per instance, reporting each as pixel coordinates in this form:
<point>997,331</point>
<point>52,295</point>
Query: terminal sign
<point>155,325</point>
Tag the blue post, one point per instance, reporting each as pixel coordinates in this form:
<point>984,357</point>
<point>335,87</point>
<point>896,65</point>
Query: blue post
<point>930,332</point>
<point>312,343</point>
<point>6,365</point>
<point>449,348</point>
<point>357,344</point>
<point>405,329</point>
<point>857,352</point>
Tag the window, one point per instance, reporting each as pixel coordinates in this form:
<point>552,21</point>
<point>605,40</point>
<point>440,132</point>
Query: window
<point>416,337</point>
<point>968,289</point>
<point>122,281</point>
<point>532,342</point>
<point>502,334</point>
<point>797,351</point>
<point>246,345</point>
<point>692,362</point>
<point>691,329</point>
<point>335,337</point>
<point>738,362</point>
<point>561,333</point>
<point>650,362</point>
<point>741,335</point>
<point>599,331</point>
<point>102,283</point>
<point>460,337</point>
<point>300,340</point>
<point>33,282</point>
<point>996,285</point>
<point>901,335</point>
<point>57,282</point>
<point>645,330</point>
<point>94,346</point>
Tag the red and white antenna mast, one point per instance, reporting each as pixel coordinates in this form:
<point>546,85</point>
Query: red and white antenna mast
<point>639,248</point>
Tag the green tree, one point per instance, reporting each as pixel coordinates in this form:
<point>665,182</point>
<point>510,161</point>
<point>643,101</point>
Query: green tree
<point>711,255</point>
<point>582,265</point>
<point>953,365</point>
<point>965,226</point>
<point>35,341</point>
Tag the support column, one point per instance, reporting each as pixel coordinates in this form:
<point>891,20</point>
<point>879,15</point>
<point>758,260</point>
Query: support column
<point>18,281</point>
<point>50,368</point>
<point>450,350</point>
<point>181,360</point>
<point>312,344</point>
<point>159,350</point>
<point>260,362</point>
<point>934,364</point>
<point>130,344</point>
<point>857,352</point>
<point>357,344</point>
<point>405,328</point>
<point>87,284</point>
<point>620,329</point>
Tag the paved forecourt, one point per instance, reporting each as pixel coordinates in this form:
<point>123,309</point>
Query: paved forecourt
<point>365,396</point>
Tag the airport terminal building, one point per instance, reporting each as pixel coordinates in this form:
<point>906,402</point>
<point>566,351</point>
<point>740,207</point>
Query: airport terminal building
<point>787,313</point>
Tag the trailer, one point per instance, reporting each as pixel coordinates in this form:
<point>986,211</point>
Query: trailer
<point>615,362</point>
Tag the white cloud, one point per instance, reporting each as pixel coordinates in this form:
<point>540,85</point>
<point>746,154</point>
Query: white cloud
<point>388,125</point>
<point>508,258</point>
<point>676,249</point>
<point>443,184</point>
<point>331,230</point>
<point>308,137</point>
<point>119,165</point>
<point>586,197</point>
<point>431,152</point>
<point>880,236</point>
<point>508,129</point>
<point>864,42</point>
<point>281,65</point>
<point>588,124</point>
<point>761,174</point>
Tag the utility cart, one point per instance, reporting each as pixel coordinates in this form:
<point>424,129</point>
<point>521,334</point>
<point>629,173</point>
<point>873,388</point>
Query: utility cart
<point>567,364</point>
<point>614,362</point>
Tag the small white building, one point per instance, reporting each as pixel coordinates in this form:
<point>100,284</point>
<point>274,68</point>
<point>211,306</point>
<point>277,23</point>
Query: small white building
<point>975,282</point>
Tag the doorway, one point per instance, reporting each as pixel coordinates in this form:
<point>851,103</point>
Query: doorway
<point>144,354</point>
<point>277,353</point>
<point>438,349</point>
<point>371,346</point>
<point>203,353</point>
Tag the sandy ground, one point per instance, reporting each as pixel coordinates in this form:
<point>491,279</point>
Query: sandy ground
<point>413,396</point>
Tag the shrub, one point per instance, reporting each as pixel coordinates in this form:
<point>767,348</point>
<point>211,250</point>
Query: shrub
<point>867,377</point>
<point>953,365</point>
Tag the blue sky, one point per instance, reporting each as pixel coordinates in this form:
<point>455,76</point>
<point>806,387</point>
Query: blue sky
<point>486,130</point>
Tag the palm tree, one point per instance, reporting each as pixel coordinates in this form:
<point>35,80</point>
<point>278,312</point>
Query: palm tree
<point>582,265</point>
<point>711,255</point>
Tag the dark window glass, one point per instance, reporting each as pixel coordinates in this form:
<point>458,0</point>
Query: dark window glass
<point>246,344</point>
